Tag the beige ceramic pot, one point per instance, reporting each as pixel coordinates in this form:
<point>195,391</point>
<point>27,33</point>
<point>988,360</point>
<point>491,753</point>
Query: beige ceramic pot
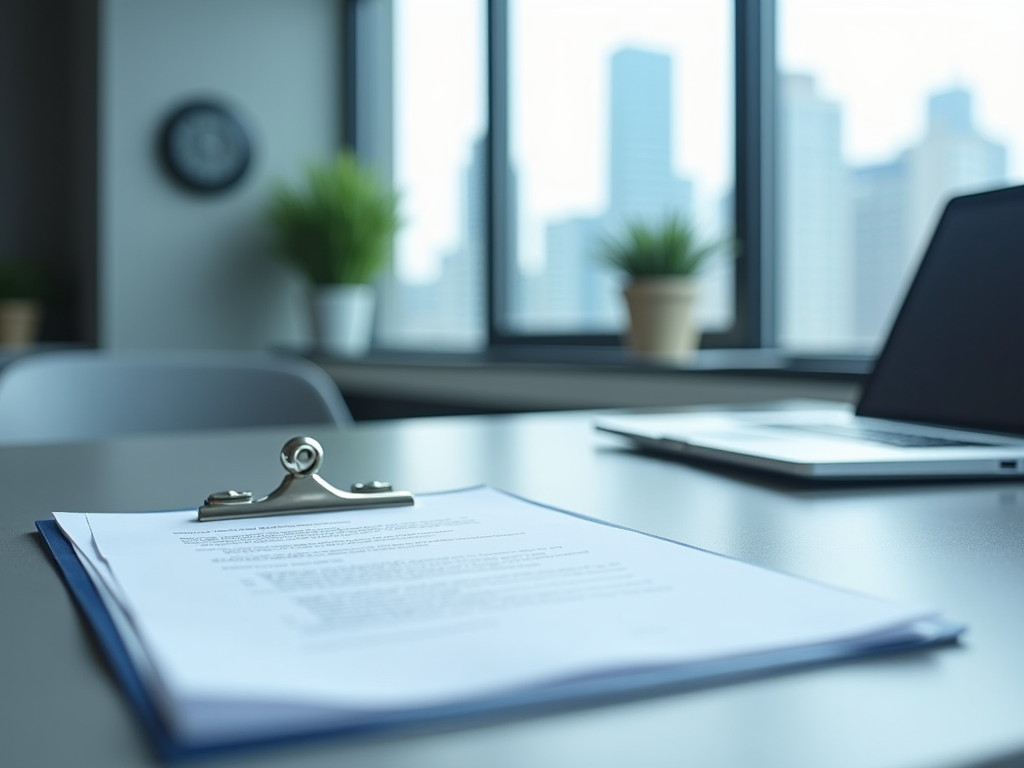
<point>663,322</point>
<point>19,322</point>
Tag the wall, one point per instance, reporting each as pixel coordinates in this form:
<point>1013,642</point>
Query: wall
<point>38,62</point>
<point>179,270</point>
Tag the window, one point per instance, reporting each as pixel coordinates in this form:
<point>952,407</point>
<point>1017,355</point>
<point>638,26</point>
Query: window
<point>628,116</point>
<point>824,134</point>
<point>435,295</point>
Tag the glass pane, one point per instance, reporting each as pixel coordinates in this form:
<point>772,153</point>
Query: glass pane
<point>887,108</point>
<point>620,109</point>
<point>435,295</point>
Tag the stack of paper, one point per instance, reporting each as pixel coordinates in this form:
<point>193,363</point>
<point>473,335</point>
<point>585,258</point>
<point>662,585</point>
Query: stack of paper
<point>474,601</point>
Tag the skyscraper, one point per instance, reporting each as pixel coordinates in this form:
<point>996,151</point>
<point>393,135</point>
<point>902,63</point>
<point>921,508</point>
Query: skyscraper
<point>641,181</point>
<point>952,158</point>
<point>881,247</point>
<point>815,265</point>
<point>449,311</point>
<point>582,293</point>
<point>897,204</point>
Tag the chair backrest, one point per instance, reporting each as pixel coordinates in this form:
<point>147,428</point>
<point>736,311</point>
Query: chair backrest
<point>88,395</point>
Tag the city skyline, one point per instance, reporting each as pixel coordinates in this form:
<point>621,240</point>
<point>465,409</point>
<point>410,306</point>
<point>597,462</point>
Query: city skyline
<point>851,236</point>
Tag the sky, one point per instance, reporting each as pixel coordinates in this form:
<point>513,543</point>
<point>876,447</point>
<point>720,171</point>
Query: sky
<point>440,74</point>
<point>879,59</point>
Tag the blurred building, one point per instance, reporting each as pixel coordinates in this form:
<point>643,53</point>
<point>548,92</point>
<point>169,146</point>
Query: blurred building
<point>815,260</point>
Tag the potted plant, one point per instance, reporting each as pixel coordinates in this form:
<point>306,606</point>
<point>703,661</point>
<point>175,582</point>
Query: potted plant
<point>661,260</point>
<point>22,290</point>
<point>337,230</point>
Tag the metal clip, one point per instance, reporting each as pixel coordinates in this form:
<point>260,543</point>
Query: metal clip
<point>302,490</point>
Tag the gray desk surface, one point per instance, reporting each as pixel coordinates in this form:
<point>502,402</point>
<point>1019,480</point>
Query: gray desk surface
<point>958,547</point>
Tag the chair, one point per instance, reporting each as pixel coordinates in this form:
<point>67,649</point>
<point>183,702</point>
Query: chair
<point>83,395</point>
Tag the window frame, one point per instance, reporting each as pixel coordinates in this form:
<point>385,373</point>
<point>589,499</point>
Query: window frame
<point>755,183</point>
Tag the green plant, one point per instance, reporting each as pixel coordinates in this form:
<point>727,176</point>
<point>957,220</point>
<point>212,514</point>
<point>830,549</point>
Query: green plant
<point>21,280</point>
<point>667,247</point>
<point>338,226</point>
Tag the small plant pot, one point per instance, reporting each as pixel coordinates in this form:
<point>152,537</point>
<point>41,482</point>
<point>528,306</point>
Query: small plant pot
<point>343,319</point>
<point>663,322</point>
<point>20,320</point>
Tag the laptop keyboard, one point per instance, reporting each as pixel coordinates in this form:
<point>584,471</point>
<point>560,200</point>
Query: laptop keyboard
<point>899,439</point>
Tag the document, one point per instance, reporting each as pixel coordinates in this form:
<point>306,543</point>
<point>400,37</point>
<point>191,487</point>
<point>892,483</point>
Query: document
<point>278,624</point>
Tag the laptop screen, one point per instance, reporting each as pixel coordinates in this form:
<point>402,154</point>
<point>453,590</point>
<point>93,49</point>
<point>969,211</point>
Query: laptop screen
<point>955,355</point>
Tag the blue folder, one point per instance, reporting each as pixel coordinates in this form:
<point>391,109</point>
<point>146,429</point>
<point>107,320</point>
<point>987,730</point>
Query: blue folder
<point>601,689</point>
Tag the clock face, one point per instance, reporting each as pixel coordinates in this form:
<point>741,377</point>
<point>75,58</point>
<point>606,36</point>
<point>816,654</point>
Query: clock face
<point>205,146</point>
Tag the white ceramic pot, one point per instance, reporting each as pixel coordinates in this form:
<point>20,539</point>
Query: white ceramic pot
<point>663,322</point>
<point>343,318</point>
<point>19,322</point>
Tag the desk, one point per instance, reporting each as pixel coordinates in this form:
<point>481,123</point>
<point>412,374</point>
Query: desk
<point>957,547</point>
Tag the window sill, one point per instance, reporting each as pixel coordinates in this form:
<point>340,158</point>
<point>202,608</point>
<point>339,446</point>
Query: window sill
<point>400,384</point>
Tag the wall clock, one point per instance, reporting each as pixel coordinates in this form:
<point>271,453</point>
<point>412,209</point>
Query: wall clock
<point>205,146</point>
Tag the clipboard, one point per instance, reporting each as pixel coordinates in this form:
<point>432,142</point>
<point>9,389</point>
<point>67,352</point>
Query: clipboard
<point>301,491</point>
<point>588,691</point>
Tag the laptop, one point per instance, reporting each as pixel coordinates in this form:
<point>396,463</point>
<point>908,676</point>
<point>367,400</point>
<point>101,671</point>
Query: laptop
<point>945,398</point>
